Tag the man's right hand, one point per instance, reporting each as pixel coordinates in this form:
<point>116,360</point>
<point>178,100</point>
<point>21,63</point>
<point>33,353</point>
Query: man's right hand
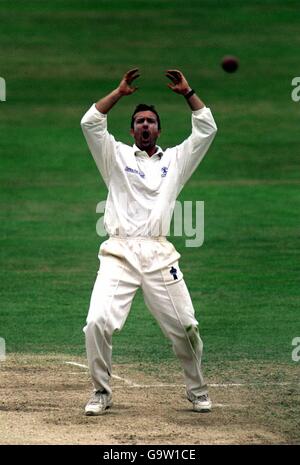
<point>125,85</point>
<point>106,103</point>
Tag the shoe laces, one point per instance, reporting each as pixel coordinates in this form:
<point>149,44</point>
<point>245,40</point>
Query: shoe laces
<point>202,398</point>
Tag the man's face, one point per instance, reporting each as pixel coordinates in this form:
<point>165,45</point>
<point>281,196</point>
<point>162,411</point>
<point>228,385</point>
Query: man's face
<point>145,129</point>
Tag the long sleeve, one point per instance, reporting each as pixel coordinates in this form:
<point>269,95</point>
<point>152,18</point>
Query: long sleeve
<point>101,144</point>
<point>193,149</point>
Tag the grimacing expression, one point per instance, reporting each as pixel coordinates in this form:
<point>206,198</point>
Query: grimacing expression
<point>145,129</point>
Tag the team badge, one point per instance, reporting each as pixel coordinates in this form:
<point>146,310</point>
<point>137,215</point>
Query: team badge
<point>164,171</point>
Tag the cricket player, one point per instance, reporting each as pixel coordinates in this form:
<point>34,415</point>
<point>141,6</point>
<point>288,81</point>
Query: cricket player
<point>143,182</point>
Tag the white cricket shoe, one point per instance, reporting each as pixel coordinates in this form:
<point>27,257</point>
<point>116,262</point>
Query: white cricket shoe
<point>98,403</point>
<point>202,403</point>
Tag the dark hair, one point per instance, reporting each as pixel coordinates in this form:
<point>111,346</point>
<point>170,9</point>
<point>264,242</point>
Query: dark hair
<point>144,107</point>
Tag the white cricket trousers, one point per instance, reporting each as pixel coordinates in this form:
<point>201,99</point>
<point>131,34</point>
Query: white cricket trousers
<point>152,264</point>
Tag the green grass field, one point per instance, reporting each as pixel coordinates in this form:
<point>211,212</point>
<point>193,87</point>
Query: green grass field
<point>58,58</point>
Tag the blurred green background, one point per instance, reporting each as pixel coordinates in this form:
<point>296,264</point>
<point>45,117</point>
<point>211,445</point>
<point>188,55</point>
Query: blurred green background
<point>57,59</point>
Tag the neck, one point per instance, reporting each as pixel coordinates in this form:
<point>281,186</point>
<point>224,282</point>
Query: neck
<point>149,150</point>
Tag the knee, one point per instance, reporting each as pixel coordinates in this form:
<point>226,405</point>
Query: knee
<point>94,325</point>
<point>192,332</point>
<point>98,327</point>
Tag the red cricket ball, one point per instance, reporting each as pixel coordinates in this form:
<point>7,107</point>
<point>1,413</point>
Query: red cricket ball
<point>230,63</point>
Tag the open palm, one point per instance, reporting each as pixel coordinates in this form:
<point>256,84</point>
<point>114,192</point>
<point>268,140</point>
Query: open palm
<point>179,82</point>
<point>125,87</point>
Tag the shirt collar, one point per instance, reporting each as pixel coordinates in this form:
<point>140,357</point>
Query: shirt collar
<point>158,154</point>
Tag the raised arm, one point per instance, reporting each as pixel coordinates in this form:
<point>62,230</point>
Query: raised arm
<point>123,89</point>
<point>190,152</point>
<point>181,86</point>
<point>94,126</point>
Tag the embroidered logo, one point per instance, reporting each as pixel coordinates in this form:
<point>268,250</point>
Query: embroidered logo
<point>173,272</point>
<point>132,170</point>
<point>164,171</point>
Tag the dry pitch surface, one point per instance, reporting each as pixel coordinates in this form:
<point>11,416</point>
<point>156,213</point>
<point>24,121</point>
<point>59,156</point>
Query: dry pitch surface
<point>43,397</point>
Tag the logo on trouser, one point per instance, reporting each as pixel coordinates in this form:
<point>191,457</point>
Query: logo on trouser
<point>173,272</point>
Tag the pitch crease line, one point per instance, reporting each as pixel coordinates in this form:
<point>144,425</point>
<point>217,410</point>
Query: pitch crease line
<point>76,364</point>
<point>131,384</point>
<point>126,381</point>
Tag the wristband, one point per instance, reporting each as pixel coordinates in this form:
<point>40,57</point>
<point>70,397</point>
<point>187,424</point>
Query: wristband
<point>189,94</point>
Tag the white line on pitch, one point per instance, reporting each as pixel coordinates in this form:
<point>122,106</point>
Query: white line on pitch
<point>161,385</point>
<point>131,384</point>
<point>126,381</point>
<point>76,364</point>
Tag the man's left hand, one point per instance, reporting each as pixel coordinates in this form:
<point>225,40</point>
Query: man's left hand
<point>179,82</point>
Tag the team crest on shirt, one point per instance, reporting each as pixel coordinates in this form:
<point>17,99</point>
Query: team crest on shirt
<point>164,171</point>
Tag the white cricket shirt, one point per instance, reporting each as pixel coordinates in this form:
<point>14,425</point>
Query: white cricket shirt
<point>142,190</point>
